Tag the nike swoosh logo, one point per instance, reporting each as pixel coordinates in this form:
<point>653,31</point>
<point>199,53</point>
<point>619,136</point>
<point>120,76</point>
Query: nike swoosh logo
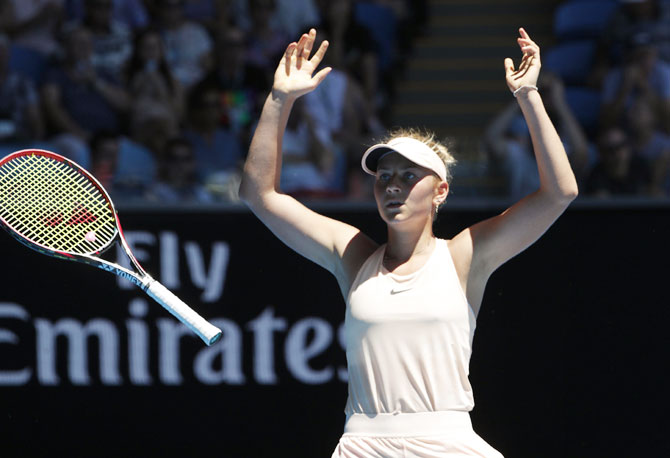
<point>398,291</point>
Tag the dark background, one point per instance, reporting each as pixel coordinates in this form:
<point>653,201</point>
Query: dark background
<point>570,353</point>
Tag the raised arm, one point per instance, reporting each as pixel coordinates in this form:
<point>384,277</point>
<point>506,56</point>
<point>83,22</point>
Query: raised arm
<point>481,249</point>
<point>333,245</point>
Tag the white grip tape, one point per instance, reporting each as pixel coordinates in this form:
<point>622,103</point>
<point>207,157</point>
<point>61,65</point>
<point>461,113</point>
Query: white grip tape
<point>207,332</point>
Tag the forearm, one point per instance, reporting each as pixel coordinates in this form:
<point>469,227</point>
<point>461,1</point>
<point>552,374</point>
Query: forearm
<point>262,168</point>
<point>575,138</point>
<point>60,119</point>
<point>116,96</point>
<point>556,175</point>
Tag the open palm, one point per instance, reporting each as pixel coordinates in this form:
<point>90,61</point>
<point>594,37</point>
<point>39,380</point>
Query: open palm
<point>293,76</point>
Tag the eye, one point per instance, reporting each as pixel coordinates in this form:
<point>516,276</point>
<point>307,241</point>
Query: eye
<point>409,176</point>
<point>384,176</point>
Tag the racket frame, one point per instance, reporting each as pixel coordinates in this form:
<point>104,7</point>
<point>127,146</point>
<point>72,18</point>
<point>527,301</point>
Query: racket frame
<point>140,278</point>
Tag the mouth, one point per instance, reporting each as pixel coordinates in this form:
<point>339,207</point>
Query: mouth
<point>393,204</point>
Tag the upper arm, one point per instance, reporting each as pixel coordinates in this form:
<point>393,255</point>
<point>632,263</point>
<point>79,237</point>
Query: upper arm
<point>480,249</point>
<point>500,238</point>
<point>334,245</point>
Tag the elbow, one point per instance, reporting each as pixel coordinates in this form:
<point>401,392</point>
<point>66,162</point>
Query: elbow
<point>571,195</point>
<point>571,190</point>
<point>562,195</point>
<point>568,193</point>
<point>250,193</point>
<point>245,192</point>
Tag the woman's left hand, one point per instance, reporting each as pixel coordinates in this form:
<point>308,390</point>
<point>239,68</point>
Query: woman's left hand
<point>529,68</point>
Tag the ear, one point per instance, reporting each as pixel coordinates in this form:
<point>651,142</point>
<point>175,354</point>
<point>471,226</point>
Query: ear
<point>441,192</point>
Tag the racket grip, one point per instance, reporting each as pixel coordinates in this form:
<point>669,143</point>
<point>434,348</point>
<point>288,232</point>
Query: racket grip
<point>205,330</point>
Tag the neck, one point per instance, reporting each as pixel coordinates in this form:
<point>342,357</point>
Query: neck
<point>403,245</point>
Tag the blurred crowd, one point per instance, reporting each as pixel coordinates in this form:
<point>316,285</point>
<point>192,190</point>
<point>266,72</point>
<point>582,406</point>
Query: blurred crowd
<point>159,98</point>
<point>606,86</point>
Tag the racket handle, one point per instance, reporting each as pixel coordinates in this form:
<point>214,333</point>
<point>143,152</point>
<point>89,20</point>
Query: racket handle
<point>205,330</point>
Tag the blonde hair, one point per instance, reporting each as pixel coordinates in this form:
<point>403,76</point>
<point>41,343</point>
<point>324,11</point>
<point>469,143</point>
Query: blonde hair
<point>428,138</point>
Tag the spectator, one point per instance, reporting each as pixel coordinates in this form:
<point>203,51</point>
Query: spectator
<point>619,171</point>
<point>154,92</point>
<point>213,14</point>
<point>291,17</point>
<point>216,148</point>
<point>632,17</point>
<point>112,40</point>
<point>21,122</point>
<point>239,83</point>
<point>351,47</point>
<point>131,13</point>
<point>642,76</point>
<point>295,16</point>
<point>650,144</point>
<point>265,44</point>
<point>345,121</point>
<point>80,100</point>
<point>125,170</point>
<point>177,179</point>
<point>508,140</point>
<point>310,169</point>
<point>33,25</point>
<point>188,45</point>
<point>104,148</point>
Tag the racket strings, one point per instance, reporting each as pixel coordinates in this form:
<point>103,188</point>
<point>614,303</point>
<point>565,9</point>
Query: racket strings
<point>51,203</point>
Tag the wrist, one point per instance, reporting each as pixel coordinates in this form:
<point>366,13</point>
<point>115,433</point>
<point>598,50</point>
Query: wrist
<point>522,91</point>
<point>281,96</point>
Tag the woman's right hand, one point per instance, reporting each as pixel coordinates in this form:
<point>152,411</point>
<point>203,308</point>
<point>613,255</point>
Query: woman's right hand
<point>293,76</point>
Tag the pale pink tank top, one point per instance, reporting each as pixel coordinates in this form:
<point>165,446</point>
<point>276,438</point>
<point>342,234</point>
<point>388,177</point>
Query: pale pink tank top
<point>409,338</point>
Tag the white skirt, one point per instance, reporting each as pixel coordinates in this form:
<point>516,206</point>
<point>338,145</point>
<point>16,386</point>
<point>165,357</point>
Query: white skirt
<point>412,435</point>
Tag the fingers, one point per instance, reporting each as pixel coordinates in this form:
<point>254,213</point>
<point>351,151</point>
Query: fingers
<point>286,58</point>
<point>309,43</point>
<point>509,66</point>
<point>298,53</point>
<point>320,76</point>
<point>318,55</point>
<point>300,50</point>
<point>527,45</point>
<point>515,74</point>
<point>305,49</point>
<point>524,66</point>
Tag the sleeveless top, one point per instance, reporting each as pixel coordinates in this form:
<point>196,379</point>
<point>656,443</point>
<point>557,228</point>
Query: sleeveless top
<point>409,338</point>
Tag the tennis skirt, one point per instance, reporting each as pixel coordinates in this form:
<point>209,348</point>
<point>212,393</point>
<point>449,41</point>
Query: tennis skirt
<point>412,435</point>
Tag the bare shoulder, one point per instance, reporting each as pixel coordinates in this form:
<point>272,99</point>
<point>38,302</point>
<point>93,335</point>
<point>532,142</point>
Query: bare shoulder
<point>461,250</point>
<point>359,248</point>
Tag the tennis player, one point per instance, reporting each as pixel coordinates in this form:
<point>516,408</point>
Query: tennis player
<point>411,303</point>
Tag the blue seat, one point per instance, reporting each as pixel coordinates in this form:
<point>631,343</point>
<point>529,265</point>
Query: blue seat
<point>572,61</point>
<point>585,104</point>
<point>582,19</point>
<point>28,62</point>
<point>382,24</point>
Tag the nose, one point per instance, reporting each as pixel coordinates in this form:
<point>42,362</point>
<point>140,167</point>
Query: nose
<point>392,187</point>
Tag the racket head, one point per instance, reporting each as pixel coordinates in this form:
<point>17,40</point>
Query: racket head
<point>52,205</point>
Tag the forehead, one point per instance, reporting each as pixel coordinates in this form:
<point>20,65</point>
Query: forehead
<point>395,160</point>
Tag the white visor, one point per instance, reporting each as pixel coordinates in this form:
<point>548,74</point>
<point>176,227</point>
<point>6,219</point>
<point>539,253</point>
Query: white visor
<point>410,148</point>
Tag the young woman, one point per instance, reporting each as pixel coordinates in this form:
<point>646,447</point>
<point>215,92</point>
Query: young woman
<point>412,302</point>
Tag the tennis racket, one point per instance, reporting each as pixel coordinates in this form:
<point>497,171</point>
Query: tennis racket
<point>54,206</point>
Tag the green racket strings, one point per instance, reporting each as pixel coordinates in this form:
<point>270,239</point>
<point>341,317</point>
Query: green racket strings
<point>52,204</point>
